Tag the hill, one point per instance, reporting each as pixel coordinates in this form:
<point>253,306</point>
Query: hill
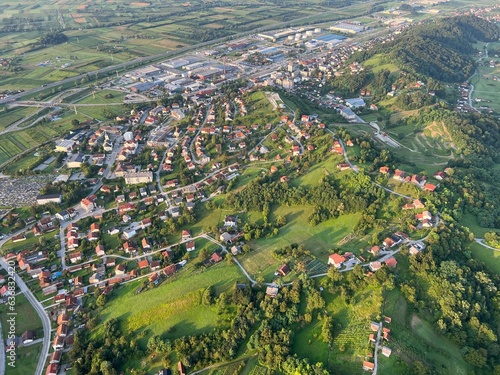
<point>440,49</point>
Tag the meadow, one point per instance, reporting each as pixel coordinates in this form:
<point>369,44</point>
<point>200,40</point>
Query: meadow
<point>174,306</point>
<point>27,360</point>
<point>30,319</point>
<point>412,339</point>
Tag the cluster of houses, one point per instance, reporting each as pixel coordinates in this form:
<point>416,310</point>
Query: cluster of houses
<point>44,225</point>
<point>374,338</point>
<point>418,180</point>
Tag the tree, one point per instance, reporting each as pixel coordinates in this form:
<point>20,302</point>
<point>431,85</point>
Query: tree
<point>101,300</point>
<point>327,330</point>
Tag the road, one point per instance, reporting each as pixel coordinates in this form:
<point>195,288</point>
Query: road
<point>377,347</point>
<point>141,61</point>
<point>480,241</point>
<point>356,169</point>
<point>40,311</point>
<point>471,90</point>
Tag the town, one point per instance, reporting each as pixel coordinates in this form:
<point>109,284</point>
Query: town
<point>207,167</point>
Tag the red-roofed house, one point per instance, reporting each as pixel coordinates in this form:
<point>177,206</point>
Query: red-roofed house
<point>185,235</point>
<point>337,260</point>
<point>368,366</point>
<point>430,187</point>
<point>391,262</point>
<point>190,246</point>
<point>143,264</point>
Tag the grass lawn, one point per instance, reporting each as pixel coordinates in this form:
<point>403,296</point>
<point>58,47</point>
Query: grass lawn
<point>490,258</point>
<point>27,359</point>
<point>174,306</point>
<point>318,239</point>
<point>318,171</point>
<point>26,244</point>
<point>470,222</point>
<point>27,318</point>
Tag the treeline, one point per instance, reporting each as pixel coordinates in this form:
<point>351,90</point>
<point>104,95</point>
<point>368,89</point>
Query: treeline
<point>441,48</point>
<point>331,198</point>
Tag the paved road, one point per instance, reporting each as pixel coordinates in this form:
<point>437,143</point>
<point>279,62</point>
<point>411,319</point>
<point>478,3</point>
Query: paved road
<point>40,311</point>
<point>377,347</point>
<point>481,242</point>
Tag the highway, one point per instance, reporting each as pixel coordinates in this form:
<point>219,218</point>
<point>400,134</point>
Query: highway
<point>40,311</point>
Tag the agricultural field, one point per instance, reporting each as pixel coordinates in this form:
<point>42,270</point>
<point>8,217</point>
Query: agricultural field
<point>487,87</point>
<point>16,142</point>
<point>7,118</point>
<point>102,33</point>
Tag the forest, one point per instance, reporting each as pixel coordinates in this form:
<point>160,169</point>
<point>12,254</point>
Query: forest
<point>440,49</point>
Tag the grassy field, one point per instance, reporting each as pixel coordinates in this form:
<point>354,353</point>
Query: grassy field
<point>26,244</point>
<point>487,88</point>
<point>27,318</point>
<point>489,257</point>
<point>27,359</point>
<point>100,97</point>
<point>174,306</point>
<point>470,222</point>
<point>412,338</point>
<point>14,115</point>
<point>15,142</point>
<point>319,239</point>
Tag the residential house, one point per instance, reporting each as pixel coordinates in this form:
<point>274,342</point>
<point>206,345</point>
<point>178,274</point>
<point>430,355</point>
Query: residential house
<point>185,235</point>
<point>368,366</point>
<point>28,337</point>
<point>75,257</point>
<point>375,266</point>
<point>145,244</point>
<point>225,237</point>
<point>391,262</point>
<point>55,357</point>
<point>283,270</point>
<point>386,351</point>
<point>170,270</point>
<point>216,257</point>
<point>190,246</point>
<point>99,250</point>
<point>230,221</point>
<point>430,187</point>
<point>272,291</point>
<point>336,260</point>
<point>120,269</point>
<point>53,368</point>
<point>62,330</point>
<point>384,170</point>
<point>143,264</point>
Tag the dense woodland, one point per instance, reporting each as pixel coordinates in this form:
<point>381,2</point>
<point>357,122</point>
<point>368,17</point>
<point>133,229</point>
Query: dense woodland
<point>440,49</point>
